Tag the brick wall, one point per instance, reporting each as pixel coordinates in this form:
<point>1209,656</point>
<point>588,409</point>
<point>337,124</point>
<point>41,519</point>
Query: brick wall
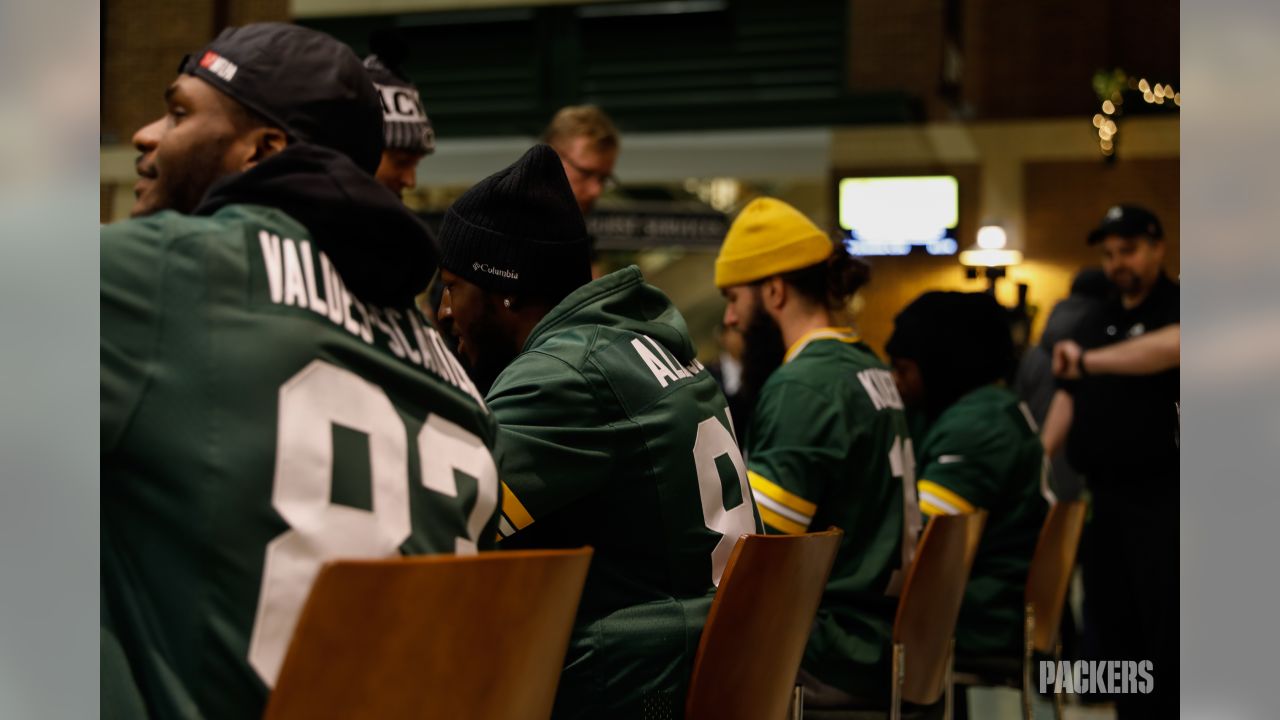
<point>897,46</point>
<point>143,41</point>
<point>1020,59</point>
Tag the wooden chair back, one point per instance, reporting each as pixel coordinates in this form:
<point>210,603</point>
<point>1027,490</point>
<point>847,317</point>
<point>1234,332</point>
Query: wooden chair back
<point>930,602</point>
<point>758,626</point>
<point>1050,571</point>
<point>437,636</point>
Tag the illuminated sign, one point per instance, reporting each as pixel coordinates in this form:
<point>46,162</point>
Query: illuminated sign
<point>891,215</point>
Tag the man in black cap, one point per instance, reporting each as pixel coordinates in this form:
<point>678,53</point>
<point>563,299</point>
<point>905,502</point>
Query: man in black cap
<point>611,434</point>
<point>406,127</point>
<point>266,382</point>
<point>1117,412</point>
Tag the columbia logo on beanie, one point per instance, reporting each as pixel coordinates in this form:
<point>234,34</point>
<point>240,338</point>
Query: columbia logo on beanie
<point>483,267</point>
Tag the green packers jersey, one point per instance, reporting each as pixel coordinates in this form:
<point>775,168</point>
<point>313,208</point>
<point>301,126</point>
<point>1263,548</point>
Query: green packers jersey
<point>984,452</point>
<point>612,435</point>
<point>829,446</point>
<point>258,420</point>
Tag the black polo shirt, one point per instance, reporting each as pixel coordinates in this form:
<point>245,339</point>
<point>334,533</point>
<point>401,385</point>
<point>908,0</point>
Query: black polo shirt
<point>1124,426</point>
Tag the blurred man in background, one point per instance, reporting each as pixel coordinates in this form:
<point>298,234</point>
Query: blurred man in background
<point>611,434</point>
<point>1117,415</point>
<point>588,143</point>
<point>727,370</point>
<point>1035,382</point>
<point>828,443</point>
<point>264,375</point>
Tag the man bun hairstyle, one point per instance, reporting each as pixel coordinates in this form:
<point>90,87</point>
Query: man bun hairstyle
<point>833,282</point>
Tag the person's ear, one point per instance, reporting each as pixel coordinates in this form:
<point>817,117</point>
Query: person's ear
<point>773,293</point>
<point>263,143</point>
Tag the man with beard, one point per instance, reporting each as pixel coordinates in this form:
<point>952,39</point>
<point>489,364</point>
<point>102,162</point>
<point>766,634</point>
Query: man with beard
<point>1120,420</point>
<point>950,354</point>
<point>611,434</point>
<point>270,401</point>
<point>828,444</point>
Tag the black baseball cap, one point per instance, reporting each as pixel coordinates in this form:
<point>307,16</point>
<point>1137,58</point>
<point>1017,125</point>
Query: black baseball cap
<point>312,86</point>
<point>1127,221</point>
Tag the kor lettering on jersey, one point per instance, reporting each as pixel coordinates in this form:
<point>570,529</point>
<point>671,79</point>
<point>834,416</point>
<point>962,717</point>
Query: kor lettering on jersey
<point>661,363</point>
<point>881,389</point>
<point>296,278</point>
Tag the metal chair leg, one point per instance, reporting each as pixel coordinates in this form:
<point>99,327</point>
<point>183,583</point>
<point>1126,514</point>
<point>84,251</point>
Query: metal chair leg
<point>949,702</point>
<point>899,672</point>
<point>1059,699</point>
<point>797,703</point>
<point>1028,654</point>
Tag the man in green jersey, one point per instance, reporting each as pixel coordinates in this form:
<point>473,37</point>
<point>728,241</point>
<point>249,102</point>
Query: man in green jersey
<point>980,448</point>
<point>828,443</point>
<point>270,398</point>
<point>611,434</point>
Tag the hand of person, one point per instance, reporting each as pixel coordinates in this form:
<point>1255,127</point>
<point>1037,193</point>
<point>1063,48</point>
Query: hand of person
<point>1066,359</point>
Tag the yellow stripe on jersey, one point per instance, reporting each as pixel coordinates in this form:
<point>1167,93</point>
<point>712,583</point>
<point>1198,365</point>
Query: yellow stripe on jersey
<point>930,509</point>
<point>943,500</point>
<point>775,492</point>
<point>778,522</point>
<point>514,509</point>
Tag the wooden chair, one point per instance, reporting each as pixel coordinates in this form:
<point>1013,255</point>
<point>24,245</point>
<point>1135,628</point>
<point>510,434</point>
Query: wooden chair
<point>433,637</point>
<point>1048,577</point>
<point>758,626</point>
<point>924,628</point>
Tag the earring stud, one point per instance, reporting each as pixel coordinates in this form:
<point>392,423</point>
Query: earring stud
<point>506,303</point>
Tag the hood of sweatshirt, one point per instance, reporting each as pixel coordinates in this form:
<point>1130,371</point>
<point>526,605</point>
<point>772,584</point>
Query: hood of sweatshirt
<point>385,253</point>
<point>624,301</point>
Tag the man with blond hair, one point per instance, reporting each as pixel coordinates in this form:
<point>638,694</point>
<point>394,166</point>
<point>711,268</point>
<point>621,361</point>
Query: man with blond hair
<point>587,142</point>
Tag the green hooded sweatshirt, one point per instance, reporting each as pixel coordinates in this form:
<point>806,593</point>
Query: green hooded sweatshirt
<point>611,434</point>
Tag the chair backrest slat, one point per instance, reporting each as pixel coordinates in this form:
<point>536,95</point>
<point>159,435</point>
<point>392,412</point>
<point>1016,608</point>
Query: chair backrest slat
<point>1051,567</point>
<point>435,636</point>
<point>758,626</point>
<point>930,601</point>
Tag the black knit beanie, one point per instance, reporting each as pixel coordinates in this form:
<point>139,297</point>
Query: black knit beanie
<point>405,124</point>
<point>519,231</point>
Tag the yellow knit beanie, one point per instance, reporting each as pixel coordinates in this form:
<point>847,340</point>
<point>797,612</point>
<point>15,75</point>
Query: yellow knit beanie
<point>769,237</point>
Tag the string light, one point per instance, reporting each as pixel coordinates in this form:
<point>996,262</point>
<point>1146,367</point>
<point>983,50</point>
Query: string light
<point>1113,83</point>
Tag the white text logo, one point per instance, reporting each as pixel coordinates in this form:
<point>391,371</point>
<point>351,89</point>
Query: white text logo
<point>218,65</point>
<point>1097,676</point>
<point>508,274</point>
